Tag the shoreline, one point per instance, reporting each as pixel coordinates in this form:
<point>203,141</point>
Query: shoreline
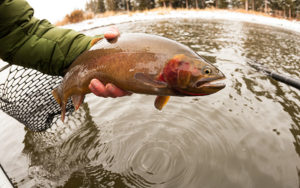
<point>159,14</point>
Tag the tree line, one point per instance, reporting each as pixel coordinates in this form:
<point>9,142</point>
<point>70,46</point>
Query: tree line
<point>283,8</point>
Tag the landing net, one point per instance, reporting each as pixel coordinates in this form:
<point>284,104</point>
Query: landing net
<point>26,95</point>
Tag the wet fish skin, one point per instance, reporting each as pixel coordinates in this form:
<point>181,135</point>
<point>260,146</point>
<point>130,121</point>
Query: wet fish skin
<point>140,63</point>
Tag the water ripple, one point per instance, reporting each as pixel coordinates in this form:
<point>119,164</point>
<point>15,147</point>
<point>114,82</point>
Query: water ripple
<point>164,148</point>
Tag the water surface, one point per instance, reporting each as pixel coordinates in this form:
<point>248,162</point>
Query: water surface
<point>246,135</point>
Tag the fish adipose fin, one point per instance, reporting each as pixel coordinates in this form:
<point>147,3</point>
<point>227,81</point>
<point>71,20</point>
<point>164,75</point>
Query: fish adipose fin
<point>161,101</point>
<point>150,80</point>
<point>77,100</point>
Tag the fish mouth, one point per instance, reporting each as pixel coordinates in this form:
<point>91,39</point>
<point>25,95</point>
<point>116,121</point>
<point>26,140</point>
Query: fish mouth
<point>211,83</point>
<point>207,87</point>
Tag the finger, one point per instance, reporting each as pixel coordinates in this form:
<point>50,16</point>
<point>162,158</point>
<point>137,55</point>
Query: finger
<point>112,33</point>
<point>98,88</point>
<point>115,91</point>
<point>111,90</point>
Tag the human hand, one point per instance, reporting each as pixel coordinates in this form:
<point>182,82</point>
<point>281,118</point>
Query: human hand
<point>112,33</point>
<point>109,90</point>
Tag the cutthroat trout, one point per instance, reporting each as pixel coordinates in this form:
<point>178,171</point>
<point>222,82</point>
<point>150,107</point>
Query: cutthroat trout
<point>140,63</point>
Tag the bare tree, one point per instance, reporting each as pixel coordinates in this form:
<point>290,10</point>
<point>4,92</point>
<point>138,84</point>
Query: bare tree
<point>196,3</point>
<point>203,3</point>
<point>266,6</point>
<point>127,5</point>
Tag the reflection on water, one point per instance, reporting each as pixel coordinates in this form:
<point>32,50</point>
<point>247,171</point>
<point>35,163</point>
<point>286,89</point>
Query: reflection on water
<point>68,155</point>
<point>247,135</point>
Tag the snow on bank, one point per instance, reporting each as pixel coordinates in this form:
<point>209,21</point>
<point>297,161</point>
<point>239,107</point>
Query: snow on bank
<point>212,14</point>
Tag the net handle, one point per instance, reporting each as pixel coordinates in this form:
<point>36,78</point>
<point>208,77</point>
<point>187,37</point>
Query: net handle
<point>5,67</point>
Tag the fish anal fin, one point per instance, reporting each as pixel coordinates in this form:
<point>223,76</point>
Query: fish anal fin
<point>77,100</point>
<point>149,80</point>
<point>161,101</point>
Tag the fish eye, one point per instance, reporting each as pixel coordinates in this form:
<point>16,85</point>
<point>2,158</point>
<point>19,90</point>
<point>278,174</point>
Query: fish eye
<point>207,70</point>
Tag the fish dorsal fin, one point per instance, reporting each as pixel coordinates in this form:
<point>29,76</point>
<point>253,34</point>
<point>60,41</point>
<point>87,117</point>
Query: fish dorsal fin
<point>95,40</point>
<point>150,80</point>
<point>77,100</point>
<point>161,101</point>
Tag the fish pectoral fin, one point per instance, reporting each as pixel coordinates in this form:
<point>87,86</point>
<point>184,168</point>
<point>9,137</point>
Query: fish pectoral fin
<point>161,101</point>
<point>149,80</point>
<point>77,100</point>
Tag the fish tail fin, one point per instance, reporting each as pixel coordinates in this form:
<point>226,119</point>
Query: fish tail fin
<point>58,97</point>
<point>63,111</point>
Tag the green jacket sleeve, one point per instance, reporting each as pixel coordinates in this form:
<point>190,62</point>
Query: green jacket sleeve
<point>30,42</point>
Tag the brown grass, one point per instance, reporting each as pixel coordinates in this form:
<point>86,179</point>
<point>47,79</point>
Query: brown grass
<point>79,15</point>
<point>75,17</point>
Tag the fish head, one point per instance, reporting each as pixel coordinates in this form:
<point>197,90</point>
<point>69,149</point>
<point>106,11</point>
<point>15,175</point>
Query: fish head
<point>192,76</point>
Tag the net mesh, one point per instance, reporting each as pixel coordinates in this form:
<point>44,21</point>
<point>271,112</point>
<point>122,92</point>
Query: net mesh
<point>26,95</point>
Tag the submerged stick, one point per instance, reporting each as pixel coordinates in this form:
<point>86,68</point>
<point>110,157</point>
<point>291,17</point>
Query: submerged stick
<point>4,179</point>
<point>276,76</point>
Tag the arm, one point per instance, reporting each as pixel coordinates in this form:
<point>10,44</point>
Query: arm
<point>37,44</point>
<point>33,43</point>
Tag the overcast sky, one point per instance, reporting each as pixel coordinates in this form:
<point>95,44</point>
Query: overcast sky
<point>55,10</point>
